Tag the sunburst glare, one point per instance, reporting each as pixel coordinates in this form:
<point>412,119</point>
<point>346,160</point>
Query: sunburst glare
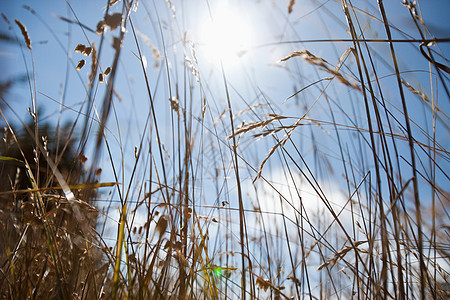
<point>225,35</point>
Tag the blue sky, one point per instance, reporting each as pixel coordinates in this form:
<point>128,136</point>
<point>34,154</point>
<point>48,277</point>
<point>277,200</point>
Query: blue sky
<point>255,77</point>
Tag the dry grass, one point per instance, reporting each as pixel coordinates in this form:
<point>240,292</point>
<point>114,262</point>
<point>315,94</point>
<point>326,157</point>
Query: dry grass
<point>175,182</point>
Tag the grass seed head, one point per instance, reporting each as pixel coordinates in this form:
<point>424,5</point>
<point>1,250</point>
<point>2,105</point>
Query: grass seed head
<point>87,51</point>
<point>80,64</point>
<point>100,27</point>
<point>24,31</point>
<point>80,48</point>
<point>161,225</point>
<point>291,6</point>
<point>5,18</point>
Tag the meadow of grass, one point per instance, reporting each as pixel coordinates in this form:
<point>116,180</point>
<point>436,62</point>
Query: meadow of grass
<point>307,161</point>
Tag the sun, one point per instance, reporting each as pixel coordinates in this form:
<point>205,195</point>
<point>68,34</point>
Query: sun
<point>225,35</point>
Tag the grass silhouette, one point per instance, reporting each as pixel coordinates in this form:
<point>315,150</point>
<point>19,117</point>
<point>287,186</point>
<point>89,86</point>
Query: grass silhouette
<point>313,166</point>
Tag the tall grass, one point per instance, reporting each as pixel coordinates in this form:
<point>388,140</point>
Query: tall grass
<point>316,166</point>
